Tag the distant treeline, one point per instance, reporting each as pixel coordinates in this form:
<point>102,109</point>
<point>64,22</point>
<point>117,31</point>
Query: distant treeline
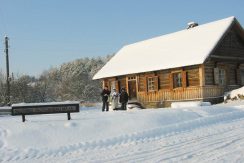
<point>70,81</point>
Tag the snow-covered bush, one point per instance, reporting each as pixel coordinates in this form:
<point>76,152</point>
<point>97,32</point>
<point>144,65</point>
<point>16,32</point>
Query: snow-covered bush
<point>236,94</point>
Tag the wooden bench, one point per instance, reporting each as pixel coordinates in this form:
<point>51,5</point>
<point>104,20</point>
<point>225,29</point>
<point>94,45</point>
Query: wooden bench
<point>45,108</point>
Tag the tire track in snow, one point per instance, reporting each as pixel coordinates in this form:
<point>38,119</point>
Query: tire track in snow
<point>158,151</point>
<point>178,151</point>
<point>204,147</point>
<point>226,146</point>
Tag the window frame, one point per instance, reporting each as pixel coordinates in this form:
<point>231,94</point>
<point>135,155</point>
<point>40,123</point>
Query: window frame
<point>150,84</point>
<point>222,76</point>
<point>130,78</point>
<point>179,85</point>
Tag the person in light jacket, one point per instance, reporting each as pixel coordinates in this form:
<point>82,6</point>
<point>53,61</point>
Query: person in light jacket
<point>114,99</point>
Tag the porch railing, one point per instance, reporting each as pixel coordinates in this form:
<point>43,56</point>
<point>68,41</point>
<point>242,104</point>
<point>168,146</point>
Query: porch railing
<point>189,93</point>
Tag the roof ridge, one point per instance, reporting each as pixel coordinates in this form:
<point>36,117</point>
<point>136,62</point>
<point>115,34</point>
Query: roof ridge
<point>168,34</point>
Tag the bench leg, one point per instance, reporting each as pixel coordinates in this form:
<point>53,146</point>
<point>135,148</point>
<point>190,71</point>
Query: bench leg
<point>69,117</point>
<point>23,118</point>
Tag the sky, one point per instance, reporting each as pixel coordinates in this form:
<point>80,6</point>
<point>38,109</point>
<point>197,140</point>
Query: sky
<point>46,33</point>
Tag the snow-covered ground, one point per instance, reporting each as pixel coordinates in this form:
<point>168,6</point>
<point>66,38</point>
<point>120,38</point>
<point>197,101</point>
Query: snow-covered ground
<point>189,134</point>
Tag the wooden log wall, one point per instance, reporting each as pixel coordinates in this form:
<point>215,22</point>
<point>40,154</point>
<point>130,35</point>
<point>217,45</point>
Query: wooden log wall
<point>232,74</point>
<point>164,79</point>
<point>122,82</point>
<point>141,83</point>
<point>192,76</point>
<point>209,72</point>
<point>192,89</point>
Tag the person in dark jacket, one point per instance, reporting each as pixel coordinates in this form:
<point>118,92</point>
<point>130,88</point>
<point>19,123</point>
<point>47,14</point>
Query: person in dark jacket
<point>123,99</point>
<point>105,97</point>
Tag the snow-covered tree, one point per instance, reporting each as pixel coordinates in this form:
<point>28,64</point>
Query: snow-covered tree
<point>70,81</point>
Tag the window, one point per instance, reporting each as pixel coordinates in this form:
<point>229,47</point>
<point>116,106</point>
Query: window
<point>221,76</point>
<point>132,78</point>
<point>177,80</point>
<point>150,84</point>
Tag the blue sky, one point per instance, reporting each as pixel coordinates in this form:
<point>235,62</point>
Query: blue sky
<point>47,33</point>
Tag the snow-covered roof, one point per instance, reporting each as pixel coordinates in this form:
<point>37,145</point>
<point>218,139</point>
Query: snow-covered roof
<point>187,47</point>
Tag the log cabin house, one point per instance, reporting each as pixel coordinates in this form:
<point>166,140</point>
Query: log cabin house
<point>198,63</point>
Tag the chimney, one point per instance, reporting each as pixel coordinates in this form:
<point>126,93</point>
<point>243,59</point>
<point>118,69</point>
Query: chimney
<point>191,25</point>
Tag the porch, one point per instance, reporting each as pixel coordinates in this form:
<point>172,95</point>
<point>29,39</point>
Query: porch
<point>164,97</point>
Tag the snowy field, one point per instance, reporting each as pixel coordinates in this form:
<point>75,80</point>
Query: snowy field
<point>189,134</point>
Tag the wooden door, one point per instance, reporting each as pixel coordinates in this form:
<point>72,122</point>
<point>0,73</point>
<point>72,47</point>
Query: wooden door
<point>132,90</point>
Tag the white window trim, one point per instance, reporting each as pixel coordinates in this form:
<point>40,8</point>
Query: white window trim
<point>222,76</point>
<point>152,82</point>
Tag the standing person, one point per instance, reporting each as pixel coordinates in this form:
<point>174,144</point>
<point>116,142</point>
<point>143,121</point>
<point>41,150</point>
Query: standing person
<point>123,99</point>
<point>114,97</point>
<point>105,97</point>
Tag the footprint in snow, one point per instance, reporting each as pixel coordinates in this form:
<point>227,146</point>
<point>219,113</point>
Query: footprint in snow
<point>70,124</point>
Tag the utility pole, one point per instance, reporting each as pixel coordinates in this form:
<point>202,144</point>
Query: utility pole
<point>7,69</point>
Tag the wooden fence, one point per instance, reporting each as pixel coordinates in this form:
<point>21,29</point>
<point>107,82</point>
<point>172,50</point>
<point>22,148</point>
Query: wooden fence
<point>190,93</point>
